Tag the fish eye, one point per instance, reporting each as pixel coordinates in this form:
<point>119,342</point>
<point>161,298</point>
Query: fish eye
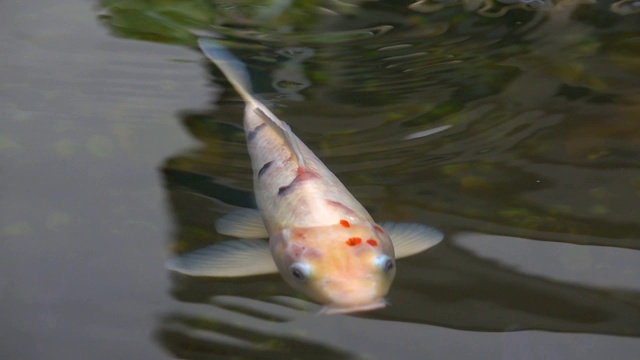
<point>300,271</point>
<point>385,263</point>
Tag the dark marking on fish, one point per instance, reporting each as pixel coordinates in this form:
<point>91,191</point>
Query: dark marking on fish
<point>264,168</point>
<point>302,176</point>
<point>252,134</point>
<point>283,190</point>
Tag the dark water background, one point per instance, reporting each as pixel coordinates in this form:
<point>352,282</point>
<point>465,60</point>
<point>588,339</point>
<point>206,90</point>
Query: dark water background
<point>512,126</point>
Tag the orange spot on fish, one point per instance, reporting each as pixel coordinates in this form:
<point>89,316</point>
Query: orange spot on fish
<point>344,223</point>
<point>354,241</point>
<point>372,242</point>
<point>378,229</point>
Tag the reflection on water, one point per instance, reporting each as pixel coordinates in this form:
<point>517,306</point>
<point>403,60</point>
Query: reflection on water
<point>283,328</point>
<point>513,118</point>
<point>591,266</point>
<point>245,329</point>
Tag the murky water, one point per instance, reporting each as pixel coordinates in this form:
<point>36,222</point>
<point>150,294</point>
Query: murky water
<point>512,126</point>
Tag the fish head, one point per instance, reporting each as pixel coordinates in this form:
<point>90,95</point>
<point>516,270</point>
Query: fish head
<point>347,268</point>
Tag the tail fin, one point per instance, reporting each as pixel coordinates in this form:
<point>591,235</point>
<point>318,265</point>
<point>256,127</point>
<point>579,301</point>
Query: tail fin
<point>237,74</point>
<point>231,67</point>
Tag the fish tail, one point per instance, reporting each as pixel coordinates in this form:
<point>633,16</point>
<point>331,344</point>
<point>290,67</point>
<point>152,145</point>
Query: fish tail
<point>237,74</point>
<point>234,70</point>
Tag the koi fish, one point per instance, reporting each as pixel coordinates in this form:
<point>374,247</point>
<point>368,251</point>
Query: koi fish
<point>321,239</point>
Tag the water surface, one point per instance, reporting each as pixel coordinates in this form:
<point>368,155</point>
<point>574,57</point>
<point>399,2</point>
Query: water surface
<point>511,126</point>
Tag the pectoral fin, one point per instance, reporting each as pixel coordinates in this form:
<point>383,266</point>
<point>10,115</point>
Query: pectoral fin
<point>242,223</point>
<point>410,238</point>
<point>226,259</point>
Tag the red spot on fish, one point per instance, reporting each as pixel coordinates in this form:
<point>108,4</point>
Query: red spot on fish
<point>372,242</point>
<point>378,229</point>
<point>354,241</point>
<point>345,223</point>
<point>304,174</point>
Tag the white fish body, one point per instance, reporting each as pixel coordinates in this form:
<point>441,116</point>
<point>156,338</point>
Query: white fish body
<point>321,239</point>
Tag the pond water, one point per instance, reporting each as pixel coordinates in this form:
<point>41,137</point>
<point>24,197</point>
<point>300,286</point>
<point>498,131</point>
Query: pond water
<point>512,126</point>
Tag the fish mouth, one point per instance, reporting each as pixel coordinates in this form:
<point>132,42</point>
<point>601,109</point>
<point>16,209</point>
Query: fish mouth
<point>347,309</point>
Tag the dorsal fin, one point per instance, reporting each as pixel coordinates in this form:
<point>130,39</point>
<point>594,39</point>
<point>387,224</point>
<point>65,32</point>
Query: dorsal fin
<point>237,74</point>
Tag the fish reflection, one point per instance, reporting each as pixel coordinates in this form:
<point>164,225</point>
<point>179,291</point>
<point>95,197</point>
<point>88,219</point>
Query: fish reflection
<point>283,328</point>
<point>241,329</point>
